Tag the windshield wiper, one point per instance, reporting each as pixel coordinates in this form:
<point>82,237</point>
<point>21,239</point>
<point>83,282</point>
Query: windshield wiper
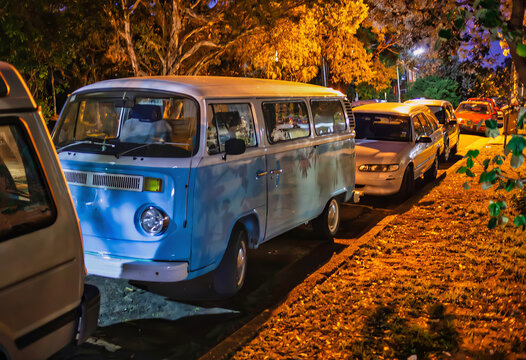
<point>91,142</point>
<point>148,145</point>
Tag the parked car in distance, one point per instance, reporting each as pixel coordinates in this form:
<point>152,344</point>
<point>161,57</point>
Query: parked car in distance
<point>395,145</point>
<point>44,302</point>
<point>470,113</point>
<point>176,177</point>
<point>443,111</point>
<point>496,113</point>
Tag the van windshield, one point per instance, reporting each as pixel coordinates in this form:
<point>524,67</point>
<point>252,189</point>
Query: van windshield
<point>128,123</point>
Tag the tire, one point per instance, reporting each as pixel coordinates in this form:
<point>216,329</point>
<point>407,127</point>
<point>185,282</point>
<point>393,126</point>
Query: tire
<point>447,151</point>
<point>454,149</point>
<point>407,188</point>
<point>327,224</point>
<point>231,273</point>
<point>432,172</point>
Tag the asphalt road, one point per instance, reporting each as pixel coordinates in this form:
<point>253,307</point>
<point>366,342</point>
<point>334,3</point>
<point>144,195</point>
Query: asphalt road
<point>138,324</point>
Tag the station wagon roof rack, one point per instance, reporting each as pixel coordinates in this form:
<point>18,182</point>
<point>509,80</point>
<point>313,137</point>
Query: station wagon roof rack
<point>211,86</point>
<point>14,94</point>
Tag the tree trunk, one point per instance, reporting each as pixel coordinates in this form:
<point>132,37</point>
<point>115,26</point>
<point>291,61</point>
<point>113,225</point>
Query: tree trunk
<point>516,26</point>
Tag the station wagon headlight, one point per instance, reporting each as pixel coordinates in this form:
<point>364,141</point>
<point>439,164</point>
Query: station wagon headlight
<point>154,221</point>
<point>379,167</point>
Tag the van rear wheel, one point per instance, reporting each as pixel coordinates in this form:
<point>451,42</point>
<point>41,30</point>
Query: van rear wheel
<point>230,275</point>
<point>327,224</point>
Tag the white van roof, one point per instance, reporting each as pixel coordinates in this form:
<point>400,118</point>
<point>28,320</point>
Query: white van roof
<point>215,86</point>
<point>17,96</point>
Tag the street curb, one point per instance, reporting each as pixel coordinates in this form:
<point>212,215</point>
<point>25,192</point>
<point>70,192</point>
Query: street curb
<point>247,332</point>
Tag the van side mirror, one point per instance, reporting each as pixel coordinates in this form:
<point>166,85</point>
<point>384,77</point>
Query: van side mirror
<point>234,147</point>
<point>424,140</point>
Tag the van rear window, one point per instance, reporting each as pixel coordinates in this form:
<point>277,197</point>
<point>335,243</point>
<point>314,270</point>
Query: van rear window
<point>26,204</point>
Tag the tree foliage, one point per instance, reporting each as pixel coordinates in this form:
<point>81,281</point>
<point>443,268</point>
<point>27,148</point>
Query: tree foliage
<point>434,87</point>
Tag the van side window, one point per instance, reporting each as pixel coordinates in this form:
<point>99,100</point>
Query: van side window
<point>229,121</point>
<point>328,116</point>
<point>286,120</point>
<point>25,201</point>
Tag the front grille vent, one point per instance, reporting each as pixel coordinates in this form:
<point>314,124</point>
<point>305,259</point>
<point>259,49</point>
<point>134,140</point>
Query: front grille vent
<point>350,115</point>
<point>76,177</point>
<point>105,181</point>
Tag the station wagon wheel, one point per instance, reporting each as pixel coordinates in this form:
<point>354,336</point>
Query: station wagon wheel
<point>407,188</point>
<point>454,149</point>
<point>230,275</point>
<point>447,151</point>
<point>327,224</point>
<point>432,173</point>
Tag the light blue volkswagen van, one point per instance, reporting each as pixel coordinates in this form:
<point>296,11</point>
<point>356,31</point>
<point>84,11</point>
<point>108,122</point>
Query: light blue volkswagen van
<point>175,177</point>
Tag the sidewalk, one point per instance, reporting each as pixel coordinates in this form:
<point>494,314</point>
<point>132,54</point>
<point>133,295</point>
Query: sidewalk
<point>431,282</point>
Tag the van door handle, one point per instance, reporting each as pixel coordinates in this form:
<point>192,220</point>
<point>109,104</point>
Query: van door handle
<point>260,174</point>
<point>276,171</point>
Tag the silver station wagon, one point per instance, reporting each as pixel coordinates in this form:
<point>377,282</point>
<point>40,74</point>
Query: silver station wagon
<point>395,145</point>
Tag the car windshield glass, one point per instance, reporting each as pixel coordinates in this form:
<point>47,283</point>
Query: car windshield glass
<point>382,127</point>
<point>474,107</point>
<point>115,122</point>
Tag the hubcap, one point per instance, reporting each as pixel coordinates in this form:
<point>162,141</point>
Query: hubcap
<point>333,216</point>
<point>241,264</point>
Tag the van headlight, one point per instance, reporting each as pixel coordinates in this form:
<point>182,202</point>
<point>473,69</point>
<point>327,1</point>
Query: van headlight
<point>154,221</point>
<point>379,167</point>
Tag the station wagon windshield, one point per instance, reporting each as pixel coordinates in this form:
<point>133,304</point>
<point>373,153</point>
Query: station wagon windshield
<point>129,123</point>
<point>382,127</point>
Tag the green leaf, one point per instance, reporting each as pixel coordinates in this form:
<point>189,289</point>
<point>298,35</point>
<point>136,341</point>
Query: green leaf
<point>491,124</point>
<point>466,186</point>
<point>486,164</point>
<point>469,162</point>
<point>510,185</point>
<point>521,50</point>
<point>492,224</point>
<point>493,133</point>
<point>445,34</point>
<point>516,144</point>
<point>486,185</point>
<point>516,161</point>
<point>473,153</point>
<point>519,220</point>
<point>519,184</point>
<point>462,170</point>
<point>503,220</point>
<point>499,160</point>
<point>494,208</point>
<point>470,173</point>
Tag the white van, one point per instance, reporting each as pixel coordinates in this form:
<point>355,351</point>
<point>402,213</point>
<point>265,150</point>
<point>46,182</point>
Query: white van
<point>175,177</point>
<point>44,303</point>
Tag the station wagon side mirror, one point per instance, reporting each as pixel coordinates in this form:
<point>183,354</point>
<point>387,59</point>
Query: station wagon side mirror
<point>424,140</point>
<point>234,147</point>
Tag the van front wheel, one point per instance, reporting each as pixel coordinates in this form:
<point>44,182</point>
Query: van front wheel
<point>230,275</point>
<point>327,224</point>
